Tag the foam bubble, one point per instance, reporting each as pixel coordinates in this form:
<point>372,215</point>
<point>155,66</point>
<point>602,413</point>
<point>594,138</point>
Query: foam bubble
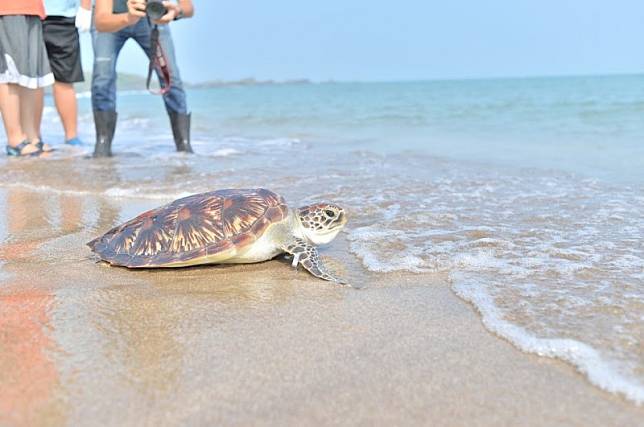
<point>225,152</point>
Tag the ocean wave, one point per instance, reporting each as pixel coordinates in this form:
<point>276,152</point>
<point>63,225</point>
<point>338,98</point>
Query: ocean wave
<point>115,192</point>
<point>225,152</point>
<point>138,193</point>
<point>585,358</point>
<point>552,256</point>
<point>46,189</point>
<point>282,142</point>
<point>385,251</point>
<point>361,241</point>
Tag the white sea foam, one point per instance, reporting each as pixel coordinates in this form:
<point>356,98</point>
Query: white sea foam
<point>115,192</point>
<point>362,240</point>
<point>137,193</point>
<point>45,189</point>
<point>585,358</point>
<point>279,142</point>
<point>225,152</point>
<point>565,265</point>
<point>137,123</point>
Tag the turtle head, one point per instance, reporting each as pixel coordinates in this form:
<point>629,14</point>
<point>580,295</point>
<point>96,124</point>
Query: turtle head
<point>321,222</point>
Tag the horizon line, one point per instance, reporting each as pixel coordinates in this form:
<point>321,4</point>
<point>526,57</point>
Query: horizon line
<point>403,80</point>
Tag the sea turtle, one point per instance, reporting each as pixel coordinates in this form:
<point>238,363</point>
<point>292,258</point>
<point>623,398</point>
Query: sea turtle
<point>223,227</point>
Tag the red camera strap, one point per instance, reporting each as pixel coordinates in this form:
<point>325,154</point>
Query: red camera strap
<point>158,63</point>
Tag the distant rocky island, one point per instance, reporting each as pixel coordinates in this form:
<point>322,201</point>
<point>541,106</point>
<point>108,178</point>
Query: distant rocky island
<point>127,81</point>
<point>247,82</point>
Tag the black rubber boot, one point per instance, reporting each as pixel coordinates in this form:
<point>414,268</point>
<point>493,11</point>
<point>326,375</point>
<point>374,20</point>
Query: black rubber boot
<point>181,131</point>
<point>105,123</point>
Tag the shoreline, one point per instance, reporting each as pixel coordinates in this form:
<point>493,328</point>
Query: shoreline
<point>580,356</point>
<point>257,344</point>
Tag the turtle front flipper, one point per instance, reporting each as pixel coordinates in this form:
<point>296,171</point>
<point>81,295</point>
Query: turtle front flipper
<point>307,255</point>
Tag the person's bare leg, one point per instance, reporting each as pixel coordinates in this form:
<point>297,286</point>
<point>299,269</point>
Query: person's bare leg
<point>40,107</point>
<point>10,100</point>
<point>31,108</point>
<point>30,100</point>
<point>65,98</point>
<point>10,108</point>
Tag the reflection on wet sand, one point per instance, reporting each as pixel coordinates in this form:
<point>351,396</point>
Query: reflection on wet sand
<point>144,326</point>
<point>137,333</point>
<point>28,216</point>
<point>71,208</point>
<point>29,378</point>
<point>74,330</point>
<point>33,387</point>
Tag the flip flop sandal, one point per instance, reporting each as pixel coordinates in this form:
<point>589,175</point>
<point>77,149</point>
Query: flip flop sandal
<point>17,150</point>
<point>41,146</point>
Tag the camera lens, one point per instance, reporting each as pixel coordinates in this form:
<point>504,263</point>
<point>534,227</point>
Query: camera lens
<point>155,9</point>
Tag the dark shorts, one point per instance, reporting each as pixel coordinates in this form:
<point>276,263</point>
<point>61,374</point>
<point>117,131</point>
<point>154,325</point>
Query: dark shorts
<point>63,48</point>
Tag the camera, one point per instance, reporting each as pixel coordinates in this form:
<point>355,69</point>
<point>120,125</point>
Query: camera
<point>155,9</point>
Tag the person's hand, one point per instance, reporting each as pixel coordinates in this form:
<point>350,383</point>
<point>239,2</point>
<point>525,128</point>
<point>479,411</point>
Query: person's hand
<point>173,11</point>
<point>135,11</point>
<point>83,19</point>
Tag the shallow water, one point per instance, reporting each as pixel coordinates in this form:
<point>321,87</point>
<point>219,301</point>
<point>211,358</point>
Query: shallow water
<point>527,194</point>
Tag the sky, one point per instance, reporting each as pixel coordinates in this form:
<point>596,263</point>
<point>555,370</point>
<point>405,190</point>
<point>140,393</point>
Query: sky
<point>360,40</point>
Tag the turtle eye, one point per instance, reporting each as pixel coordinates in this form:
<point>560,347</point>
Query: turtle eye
<point>329,213</point>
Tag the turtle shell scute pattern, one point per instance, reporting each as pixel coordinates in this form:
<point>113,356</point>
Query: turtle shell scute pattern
<point>192,227</point>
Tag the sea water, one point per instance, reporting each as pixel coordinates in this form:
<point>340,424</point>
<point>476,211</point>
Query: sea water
<point>527,193</point>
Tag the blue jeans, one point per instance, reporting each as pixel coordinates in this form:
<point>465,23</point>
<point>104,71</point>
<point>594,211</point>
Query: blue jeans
<point>107,47</point>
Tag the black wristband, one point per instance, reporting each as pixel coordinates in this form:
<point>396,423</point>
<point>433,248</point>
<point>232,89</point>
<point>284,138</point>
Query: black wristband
<point>179,15</point>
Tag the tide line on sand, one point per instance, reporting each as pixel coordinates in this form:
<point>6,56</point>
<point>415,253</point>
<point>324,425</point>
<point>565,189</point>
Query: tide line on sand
<point>583,357</point>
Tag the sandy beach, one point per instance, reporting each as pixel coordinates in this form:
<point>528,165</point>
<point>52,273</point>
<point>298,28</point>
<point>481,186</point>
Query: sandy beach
<point>455,192</point>
<point>462,186</point>
<point>87,344</point>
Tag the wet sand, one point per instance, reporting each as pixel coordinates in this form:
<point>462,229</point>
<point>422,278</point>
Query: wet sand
<point>86,344</point>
